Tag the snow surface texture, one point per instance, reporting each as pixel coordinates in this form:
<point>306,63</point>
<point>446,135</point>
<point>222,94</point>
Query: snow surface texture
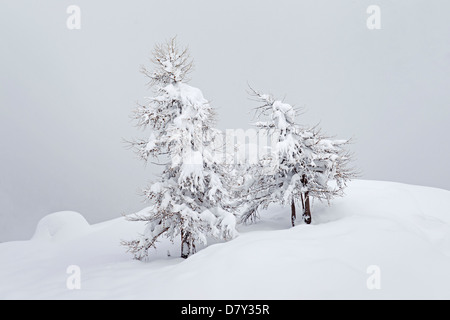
<point>403,229</point>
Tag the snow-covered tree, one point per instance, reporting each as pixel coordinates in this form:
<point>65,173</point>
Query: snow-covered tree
<point>302,163</point>
<point>190,198</point>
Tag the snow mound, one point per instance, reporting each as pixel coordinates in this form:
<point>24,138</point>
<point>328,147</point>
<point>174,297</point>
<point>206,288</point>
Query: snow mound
<point>402,230</point>
<point>61,225</point>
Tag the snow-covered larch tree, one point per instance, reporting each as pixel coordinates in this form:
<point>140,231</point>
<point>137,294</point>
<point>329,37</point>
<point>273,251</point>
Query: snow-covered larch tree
<point>301,165</point>
<point>190,198</point>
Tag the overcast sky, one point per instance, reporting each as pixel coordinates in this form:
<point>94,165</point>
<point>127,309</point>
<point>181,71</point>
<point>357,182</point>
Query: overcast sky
<point>66,95</point>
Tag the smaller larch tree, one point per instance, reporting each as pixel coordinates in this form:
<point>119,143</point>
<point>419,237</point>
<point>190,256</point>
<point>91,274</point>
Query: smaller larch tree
<point>190,198</point>
<point>302,163</point>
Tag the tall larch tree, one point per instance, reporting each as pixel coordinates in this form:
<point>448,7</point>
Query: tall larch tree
<point>190,198</point>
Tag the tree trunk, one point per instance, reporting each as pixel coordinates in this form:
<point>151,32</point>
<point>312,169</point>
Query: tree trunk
<point>307,211</point>
<point>293,216</point>
<point>185,245</point>
<point>305,203</point>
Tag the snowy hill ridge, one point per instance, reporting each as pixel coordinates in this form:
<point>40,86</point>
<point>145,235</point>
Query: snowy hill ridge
<point>403,230</point>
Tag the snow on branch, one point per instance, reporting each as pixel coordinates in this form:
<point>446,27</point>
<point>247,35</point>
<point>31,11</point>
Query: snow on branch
<point>172,64</point>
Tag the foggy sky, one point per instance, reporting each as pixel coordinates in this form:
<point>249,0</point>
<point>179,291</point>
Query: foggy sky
<point>66,95</point>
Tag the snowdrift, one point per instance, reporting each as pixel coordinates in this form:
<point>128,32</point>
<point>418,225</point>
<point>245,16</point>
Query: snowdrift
<point>60,225</point>
<point>401,229</point>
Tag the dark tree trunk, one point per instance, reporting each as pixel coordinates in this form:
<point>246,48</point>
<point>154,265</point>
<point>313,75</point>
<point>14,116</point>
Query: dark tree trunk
<point>293,216</point>
<point>305,203</point>
<point>185,244</point>
<point>307,211</point>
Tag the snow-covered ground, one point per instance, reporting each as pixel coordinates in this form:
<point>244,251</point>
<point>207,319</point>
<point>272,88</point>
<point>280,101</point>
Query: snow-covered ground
<point>404,230</point>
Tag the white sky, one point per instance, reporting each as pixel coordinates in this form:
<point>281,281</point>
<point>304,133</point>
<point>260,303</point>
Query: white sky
<point>66,95</point>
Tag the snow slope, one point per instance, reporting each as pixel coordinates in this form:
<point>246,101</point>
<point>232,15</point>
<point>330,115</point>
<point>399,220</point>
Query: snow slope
<point>403,229</point>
